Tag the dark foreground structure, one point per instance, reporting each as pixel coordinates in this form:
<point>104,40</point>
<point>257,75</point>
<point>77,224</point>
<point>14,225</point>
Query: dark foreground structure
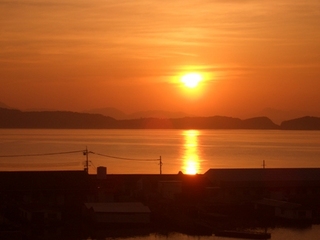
<point>57,203</point>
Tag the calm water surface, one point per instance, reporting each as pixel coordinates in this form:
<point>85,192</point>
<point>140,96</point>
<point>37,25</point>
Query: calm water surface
<point>139,151</point>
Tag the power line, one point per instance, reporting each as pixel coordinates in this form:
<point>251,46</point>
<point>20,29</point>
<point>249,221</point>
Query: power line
<point>39,154</point>
<point>123,158</point>
<point>128,159</point>
<point>39,164</point>
<point>86,153</point>
<point>79,151</point>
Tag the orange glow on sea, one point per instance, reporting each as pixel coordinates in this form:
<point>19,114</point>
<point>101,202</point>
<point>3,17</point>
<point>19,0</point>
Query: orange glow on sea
<point>191,162</point>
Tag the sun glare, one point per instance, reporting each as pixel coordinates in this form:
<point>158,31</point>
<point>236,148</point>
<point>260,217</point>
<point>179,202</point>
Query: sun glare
<point>191,80</point>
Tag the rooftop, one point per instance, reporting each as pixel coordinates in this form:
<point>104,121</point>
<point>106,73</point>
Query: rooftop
<point>263,174</point>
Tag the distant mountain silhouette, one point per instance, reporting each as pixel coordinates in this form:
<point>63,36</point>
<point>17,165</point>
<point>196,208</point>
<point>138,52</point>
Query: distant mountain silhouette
<point>278,116</point>
<point>221,122</point>
<point>109,112</point>
<point>119,115</point>
<point>259,123</point>
<point>3,105</point>
<point>10,118</point>
<point>275,115</point>
<point>304,123</point>
<point>157,114</point>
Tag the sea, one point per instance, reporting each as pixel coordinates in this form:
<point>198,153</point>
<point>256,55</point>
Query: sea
<point>152,151</point>
<point>162,151</point>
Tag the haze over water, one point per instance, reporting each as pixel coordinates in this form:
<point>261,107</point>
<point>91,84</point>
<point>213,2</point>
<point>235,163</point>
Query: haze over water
<point>139,151</point>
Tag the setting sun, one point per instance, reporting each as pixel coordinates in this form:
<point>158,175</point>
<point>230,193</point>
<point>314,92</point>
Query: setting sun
<point>191,80</point>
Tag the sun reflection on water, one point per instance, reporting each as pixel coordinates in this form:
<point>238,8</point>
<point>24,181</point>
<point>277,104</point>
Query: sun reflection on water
<point>191,163</point>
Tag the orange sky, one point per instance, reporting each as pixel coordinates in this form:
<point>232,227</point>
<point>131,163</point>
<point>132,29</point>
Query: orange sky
<point>77,55</point>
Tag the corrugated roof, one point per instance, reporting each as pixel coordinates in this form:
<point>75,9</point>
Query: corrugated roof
<point>118,207</point>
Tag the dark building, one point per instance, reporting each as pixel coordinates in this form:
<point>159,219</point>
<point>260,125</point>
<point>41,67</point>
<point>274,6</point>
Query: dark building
<point>290,190</point>
<point>39,197</point>
<point>276,183</point>
<point>57,197</point>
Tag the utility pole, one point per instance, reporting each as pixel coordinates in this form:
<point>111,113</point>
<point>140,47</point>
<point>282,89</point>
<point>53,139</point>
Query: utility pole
<point>86,153</point>
<point>160,163</point>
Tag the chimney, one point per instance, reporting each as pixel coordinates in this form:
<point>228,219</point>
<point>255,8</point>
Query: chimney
<point>101,172</point>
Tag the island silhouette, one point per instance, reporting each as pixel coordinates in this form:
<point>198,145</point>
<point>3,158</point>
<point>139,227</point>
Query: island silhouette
<point>13,118</point>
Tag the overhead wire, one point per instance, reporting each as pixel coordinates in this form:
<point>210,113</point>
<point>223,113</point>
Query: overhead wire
<point>84,152</point>
<point>123,158</point>
<point>37,164</point>
<point>78,151</point>
<point>39,154</point>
